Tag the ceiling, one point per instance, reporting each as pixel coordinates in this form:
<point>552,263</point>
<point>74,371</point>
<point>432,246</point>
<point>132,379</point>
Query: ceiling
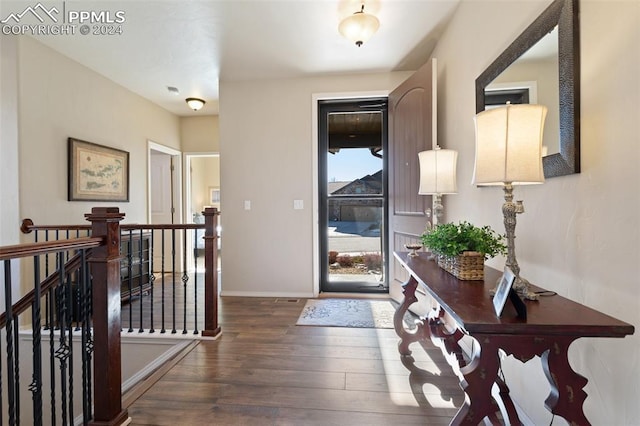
<point>192,45</point>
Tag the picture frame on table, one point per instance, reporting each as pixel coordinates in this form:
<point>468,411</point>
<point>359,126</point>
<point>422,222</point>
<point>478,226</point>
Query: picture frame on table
<point>97,172</point>
<point>503,289</point>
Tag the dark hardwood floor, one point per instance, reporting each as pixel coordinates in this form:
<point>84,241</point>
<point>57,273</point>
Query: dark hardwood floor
<point>265,370</point>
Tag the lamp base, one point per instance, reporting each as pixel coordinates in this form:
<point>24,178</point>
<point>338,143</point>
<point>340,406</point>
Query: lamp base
<point>521,286</point>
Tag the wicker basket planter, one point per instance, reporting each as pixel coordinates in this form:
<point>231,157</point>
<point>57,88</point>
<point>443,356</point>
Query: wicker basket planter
<point>467,266</point>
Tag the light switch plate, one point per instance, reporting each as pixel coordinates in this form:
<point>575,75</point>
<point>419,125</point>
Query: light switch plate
<point>247,204</point>
<point>298,204</point>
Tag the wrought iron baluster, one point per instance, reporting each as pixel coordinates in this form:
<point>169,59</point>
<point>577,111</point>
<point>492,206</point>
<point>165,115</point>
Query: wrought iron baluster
<point>52,371</point>
<point>195,282</point>
<point>152,278</point>
<point>162,277</point>
<point>73,312</point>
<point>87,342</point>
<point>62,353</point>
<point>36,378</point>
<point>173,280</point>
<point>11,383</point>
<point>185,279</point>
<point>140,277</point>
<point>47,298</point>
<point>130,277</point>
<point>16,364</point>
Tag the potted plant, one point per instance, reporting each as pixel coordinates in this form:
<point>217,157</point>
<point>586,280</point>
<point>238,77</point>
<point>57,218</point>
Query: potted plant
<point>462,248</point>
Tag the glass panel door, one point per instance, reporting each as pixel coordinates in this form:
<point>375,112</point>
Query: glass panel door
<point>353,196</point>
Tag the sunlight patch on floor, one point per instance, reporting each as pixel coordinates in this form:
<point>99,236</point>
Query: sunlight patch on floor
<point>409,391</point>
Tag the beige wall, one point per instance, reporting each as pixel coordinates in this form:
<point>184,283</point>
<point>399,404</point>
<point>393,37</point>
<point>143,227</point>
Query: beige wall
<point>200,134</point>
<point>9,175</point>
<point>579,235</point>
<point>205,174</point>
<point>267,158</point>
<point>59,99</point>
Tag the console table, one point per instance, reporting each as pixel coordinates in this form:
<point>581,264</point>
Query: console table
<point>466,308</point>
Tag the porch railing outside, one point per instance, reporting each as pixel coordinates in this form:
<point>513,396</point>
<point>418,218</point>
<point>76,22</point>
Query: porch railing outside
<point>74,312</point>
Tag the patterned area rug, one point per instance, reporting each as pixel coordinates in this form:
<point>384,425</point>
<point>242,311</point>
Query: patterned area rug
<point>356,313</point>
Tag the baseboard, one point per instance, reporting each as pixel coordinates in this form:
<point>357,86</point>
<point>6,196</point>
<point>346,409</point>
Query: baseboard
<point>383,296</point>
<point>224,293</point>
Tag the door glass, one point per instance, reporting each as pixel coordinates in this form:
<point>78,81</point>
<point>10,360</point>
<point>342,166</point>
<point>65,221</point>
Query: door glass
<point>355,202</point>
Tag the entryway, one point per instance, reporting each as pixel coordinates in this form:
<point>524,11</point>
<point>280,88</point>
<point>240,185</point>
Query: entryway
<point>352,187</point>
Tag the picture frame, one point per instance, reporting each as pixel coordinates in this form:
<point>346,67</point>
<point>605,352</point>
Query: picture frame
<point>503,289</point>
<point>97,172</point>
<point>214,195</point>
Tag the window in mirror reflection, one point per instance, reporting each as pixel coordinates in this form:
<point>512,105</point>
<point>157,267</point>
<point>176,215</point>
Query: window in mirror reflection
<point>534,74</point>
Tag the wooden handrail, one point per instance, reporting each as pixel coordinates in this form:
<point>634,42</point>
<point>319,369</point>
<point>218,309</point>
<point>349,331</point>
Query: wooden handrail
<point>45,247</point>
<point>46,285</point>
<point>28,226</point>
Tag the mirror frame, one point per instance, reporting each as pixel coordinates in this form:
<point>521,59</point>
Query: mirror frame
<point>563,13</point>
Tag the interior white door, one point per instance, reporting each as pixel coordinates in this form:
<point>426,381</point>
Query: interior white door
<point>162,208</point>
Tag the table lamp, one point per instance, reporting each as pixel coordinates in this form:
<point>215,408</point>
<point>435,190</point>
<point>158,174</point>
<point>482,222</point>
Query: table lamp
<point>438,177</point>
<point>509,153</point>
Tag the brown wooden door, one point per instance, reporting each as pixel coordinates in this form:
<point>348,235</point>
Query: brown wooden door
<point>412,121</point>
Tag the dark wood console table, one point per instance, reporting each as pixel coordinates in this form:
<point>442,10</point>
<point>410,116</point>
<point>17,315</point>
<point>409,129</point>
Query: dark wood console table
<point>466,308</point>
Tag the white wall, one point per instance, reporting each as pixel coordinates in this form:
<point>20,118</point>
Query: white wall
<point>267,155</point>
<point>579,235</point>
<point>60,98</point>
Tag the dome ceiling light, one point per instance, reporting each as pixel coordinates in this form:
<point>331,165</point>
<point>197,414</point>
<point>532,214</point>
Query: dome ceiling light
<point>359,27</point>
<point>195,103</point>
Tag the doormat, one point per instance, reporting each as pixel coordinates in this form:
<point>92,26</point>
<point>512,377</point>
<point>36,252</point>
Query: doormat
<point>356,313</point>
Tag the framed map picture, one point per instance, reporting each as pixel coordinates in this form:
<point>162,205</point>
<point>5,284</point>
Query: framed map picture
<point>97,173</point>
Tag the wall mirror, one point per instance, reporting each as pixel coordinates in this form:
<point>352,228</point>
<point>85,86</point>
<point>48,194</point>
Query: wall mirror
<point>543,66</point>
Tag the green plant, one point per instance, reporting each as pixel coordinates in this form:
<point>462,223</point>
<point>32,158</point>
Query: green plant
<point>450,239</point>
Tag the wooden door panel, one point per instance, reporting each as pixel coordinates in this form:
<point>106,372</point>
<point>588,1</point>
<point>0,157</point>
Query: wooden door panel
<point>412,118</point>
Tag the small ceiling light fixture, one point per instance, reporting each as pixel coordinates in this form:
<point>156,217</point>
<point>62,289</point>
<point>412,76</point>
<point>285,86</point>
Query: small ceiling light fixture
<point>195,103</point>
<point>359,27</point>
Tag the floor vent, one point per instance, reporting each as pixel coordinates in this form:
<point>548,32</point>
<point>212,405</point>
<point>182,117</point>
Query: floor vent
<point>287,300</point>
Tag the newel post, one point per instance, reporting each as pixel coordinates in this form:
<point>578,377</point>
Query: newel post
<point>107,359</point>
<point>211,327</point>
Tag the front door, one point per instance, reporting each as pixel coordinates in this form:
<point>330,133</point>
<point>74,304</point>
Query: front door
<point>412,128</point>
<point>353,195</point>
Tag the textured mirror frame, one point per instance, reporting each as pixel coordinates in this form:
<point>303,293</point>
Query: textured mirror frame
<point>563,13</point>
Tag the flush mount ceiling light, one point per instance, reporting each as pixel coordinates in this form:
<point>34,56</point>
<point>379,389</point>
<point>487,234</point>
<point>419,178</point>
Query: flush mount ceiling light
<point>359,27</point>
<point>195,103</point>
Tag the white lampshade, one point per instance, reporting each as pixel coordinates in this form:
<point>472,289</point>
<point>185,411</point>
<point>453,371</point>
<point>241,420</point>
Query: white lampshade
<point>438,172</point>
<point>509,145</point>
<point>359,27</point>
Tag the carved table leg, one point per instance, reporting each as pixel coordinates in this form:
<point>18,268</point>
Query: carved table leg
<point>407,337</point>
<point>447,342</point>
<point>479,376</point>
<point>567,394</point>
